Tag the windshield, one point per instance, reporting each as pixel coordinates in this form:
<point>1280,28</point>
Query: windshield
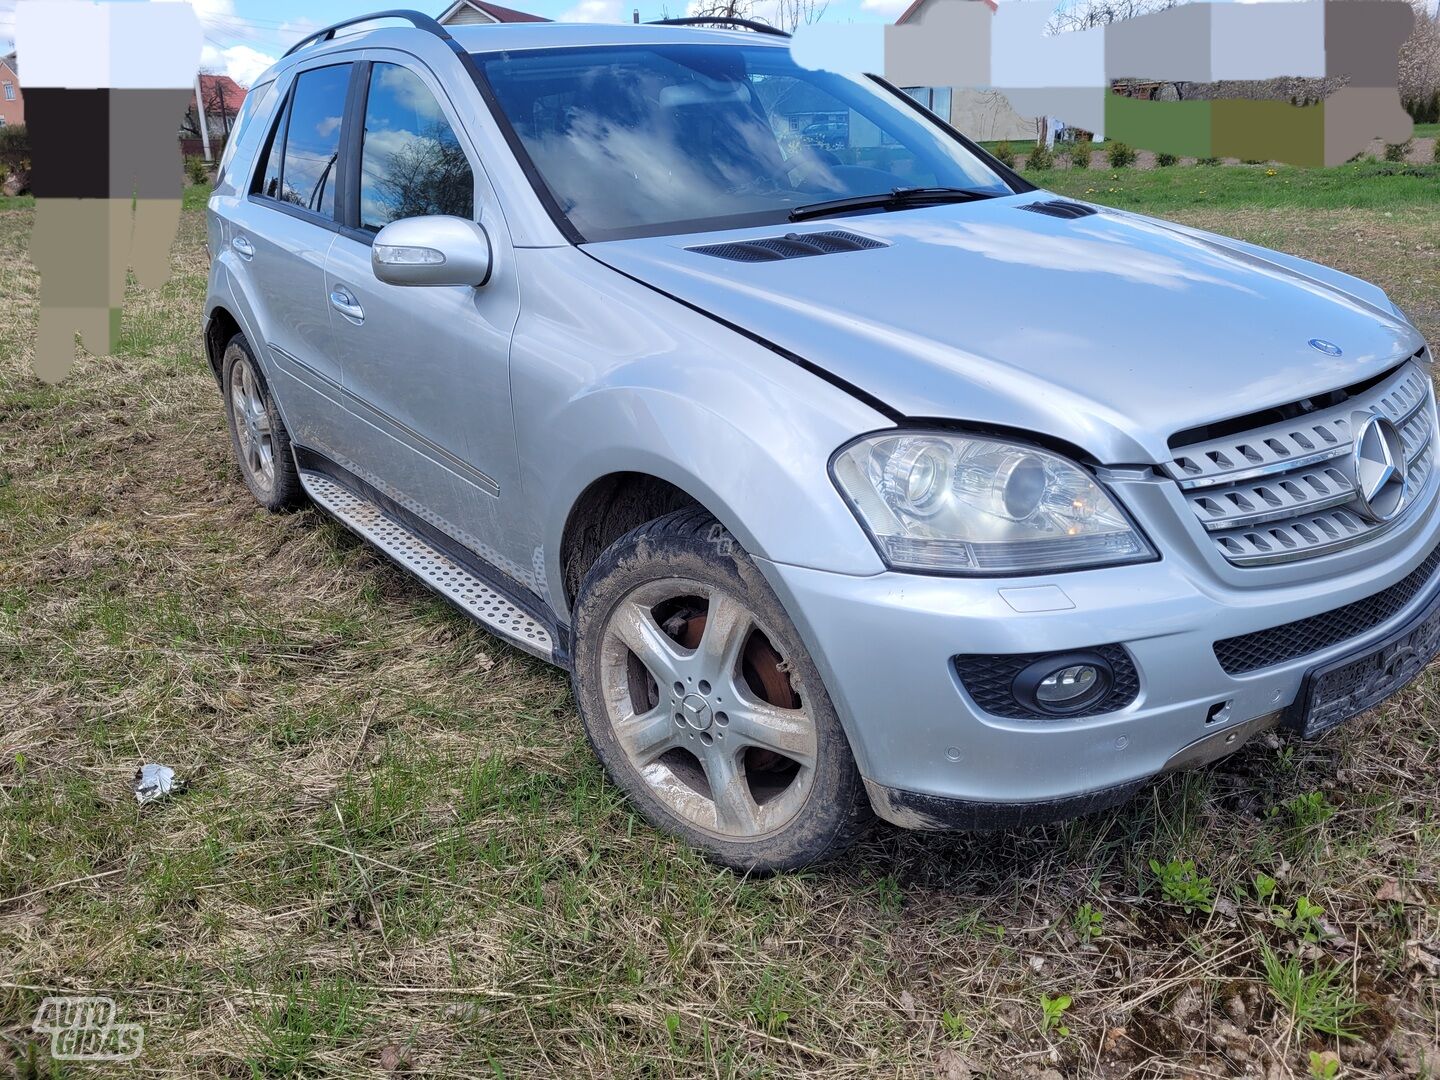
<point>644,140</point>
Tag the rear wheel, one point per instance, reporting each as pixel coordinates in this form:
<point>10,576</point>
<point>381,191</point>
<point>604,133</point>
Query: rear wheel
<point>703,704</point>
<point>257,433</point>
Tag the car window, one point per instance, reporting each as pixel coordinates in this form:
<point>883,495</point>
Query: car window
<point>412,164</point>
<point>257,97</point>
<point>311,139</point>
<point>645,140</point>
<point>267,180</point>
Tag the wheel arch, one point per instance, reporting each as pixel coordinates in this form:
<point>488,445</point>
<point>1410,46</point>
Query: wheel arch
<point>220,327</point>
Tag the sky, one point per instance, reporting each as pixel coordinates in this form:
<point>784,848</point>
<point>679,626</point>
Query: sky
<point>244,37</point>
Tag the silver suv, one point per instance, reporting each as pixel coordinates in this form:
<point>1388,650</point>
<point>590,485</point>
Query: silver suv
<point>844,474</point>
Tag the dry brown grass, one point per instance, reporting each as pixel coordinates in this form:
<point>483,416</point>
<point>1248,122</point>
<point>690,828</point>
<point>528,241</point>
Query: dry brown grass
<point>397,855</point>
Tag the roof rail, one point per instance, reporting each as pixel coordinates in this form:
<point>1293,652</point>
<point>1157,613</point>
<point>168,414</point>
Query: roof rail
<point>722,20</point>
<point>415,18</point>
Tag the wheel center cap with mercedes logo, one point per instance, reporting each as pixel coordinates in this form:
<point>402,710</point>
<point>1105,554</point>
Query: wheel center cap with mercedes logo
<point>1382,480</point>
<point>696,712</point>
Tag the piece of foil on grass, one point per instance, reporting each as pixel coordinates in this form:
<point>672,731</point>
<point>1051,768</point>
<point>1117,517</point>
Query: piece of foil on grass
<point>154,782</point>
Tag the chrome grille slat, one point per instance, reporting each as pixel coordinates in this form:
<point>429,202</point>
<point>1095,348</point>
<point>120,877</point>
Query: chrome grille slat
<point>1285,491</point>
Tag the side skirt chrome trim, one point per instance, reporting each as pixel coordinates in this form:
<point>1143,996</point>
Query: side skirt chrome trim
<point>476,597</point>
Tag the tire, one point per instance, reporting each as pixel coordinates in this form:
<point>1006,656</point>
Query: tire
<point>257,433</point>
<point>723,734</point>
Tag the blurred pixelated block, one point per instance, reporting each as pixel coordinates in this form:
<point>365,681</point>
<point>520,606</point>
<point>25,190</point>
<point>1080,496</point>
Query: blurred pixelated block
<point>1069,75</point>
<point>107,85</point>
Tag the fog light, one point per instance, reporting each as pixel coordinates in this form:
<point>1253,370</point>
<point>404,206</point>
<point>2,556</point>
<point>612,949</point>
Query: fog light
<point>1060,685</point>
<point>1062,689</point>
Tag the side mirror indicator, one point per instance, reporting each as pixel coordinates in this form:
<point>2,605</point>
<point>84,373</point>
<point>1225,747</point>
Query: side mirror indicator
<point>432,251</point>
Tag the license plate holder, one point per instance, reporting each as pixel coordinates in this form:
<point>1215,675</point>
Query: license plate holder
<point>1333,693</point>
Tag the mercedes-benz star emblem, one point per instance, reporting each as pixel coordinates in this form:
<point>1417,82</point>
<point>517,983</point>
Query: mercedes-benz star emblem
<point>1329,348</point>
<point>1381,473</point>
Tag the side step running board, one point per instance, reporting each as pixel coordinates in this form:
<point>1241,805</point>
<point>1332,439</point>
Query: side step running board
<point>477,599</point>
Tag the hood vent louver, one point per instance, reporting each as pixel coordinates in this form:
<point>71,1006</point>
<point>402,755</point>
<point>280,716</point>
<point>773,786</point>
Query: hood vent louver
<point>790,246</point>
<point>1060,208</point>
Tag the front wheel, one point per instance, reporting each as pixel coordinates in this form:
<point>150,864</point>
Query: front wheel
<point>703,704</point>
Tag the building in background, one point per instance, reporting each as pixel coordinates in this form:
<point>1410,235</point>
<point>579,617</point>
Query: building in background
<point>984,115</point>
<point>12,98</point>
<point>222,97</point>
<point>472,12</point>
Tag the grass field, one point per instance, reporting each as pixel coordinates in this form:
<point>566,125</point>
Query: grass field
<point>1360,186</point>
<point>397,856</point>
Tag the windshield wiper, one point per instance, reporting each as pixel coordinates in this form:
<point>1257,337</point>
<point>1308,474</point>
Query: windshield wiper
<point>894,199</point>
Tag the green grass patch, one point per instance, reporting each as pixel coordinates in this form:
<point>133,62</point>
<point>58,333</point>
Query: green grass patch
<point>1361,185</point>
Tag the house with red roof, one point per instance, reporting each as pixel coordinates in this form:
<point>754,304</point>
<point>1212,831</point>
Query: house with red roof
<point>476,12</point>
<point>222,97</point>
<point>12,98</point>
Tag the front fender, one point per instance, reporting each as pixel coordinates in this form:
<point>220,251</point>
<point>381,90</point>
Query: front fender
<point>610,376</point>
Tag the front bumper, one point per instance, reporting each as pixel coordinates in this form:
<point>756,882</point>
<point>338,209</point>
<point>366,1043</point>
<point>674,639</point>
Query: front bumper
<point>931,757</point>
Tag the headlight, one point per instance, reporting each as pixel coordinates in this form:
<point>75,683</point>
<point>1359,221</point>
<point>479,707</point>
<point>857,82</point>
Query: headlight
<point>953,504</point>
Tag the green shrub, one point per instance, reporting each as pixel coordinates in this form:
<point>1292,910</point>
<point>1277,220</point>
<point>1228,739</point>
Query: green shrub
<point>1005,154</point>
<point>196,171</point>
<point>15,155</point>
<point>1164,161</point>
<point>1080,151</point>
<point>1120,155</point>
<point>1207,161</point>
<point>1041,158</point>
<point>1398,151</point>
<point>1181,885</point>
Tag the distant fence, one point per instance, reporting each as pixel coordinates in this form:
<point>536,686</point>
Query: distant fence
<point>195,148</point>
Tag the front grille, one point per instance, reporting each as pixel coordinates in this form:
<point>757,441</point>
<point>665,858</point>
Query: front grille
<point>988,679</point>
<point>1285,490</point>
<point>1264,648</point>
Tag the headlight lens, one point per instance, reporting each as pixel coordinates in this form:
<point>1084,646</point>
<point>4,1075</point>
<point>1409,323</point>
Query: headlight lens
<point>953,504</point>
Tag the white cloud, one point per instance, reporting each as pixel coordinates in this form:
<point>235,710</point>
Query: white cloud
<point>240,62</point>
<point>594,11</point>
<point>885,7</point>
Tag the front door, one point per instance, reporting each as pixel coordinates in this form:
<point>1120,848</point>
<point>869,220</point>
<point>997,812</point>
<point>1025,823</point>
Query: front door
<point>426,369</point>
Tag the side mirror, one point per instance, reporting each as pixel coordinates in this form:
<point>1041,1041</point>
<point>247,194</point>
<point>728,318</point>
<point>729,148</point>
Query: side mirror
<point>431,251</point>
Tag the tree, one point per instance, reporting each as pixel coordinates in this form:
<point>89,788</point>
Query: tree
<point>15,156</point>
<point>219,111</point>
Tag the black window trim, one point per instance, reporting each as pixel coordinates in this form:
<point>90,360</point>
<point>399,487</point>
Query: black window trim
<point>344,166</point>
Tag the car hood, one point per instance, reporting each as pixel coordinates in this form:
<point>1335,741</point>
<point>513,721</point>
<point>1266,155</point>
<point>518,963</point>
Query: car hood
<point>1111,331</point>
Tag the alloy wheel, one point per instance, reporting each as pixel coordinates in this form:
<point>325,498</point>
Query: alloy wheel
<point>703,706</point>
<point>252,424</point>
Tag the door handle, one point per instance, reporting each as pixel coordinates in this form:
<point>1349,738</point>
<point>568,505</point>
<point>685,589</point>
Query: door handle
<point>347,305</point>
<point>243,247</point>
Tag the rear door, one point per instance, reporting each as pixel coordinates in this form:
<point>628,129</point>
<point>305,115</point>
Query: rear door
<point>283,233</point>
<point>426,370</point>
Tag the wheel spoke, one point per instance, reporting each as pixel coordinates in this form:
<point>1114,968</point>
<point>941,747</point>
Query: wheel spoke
<point>727,625</point>
<point>647,735</point>
<point>735,809</point>
<point>787,732</point>
<point>262,422</point>
<point>642,635</point>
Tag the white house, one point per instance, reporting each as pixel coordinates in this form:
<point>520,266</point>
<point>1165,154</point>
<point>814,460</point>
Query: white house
<point>984,115</point>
